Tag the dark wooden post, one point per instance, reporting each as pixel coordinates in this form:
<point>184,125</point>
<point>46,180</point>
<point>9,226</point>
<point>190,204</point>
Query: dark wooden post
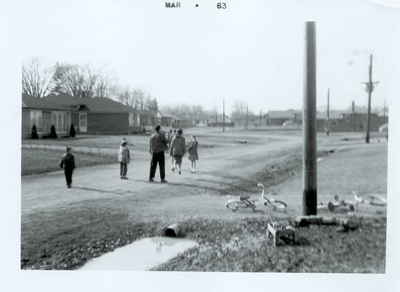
<point>247,117</point>
<point>370,88</point>
<point>353,118</point>
<point>327,115</point>
<point>309,124</point>
<point>223,115</point>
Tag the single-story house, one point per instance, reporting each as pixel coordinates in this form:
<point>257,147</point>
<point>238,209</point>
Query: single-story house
<point>168,120</point>
<point>277,118</point>
<point>148,119</point>
<point>88,115</point>
<point>347,121</point>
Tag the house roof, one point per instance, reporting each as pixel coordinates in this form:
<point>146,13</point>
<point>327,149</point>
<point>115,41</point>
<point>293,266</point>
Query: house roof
<point>332,115</point>
<point>169,116</point>
<point>63,102</point>
<point>288,114</point>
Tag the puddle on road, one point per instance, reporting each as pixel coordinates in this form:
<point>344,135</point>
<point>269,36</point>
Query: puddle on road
<point>140,255</point>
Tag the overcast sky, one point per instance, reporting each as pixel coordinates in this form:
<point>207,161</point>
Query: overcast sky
<point>252,51</point>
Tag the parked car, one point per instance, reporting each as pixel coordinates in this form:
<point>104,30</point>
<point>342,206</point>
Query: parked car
<point>384,130</point>
<point>288,124</point>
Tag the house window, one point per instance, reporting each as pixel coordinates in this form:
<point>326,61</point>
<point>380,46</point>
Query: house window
<point>60,125</point>
<point>59,120</point>
<point>131,120</point>
<point>36,119</point>
<point>67,123</point>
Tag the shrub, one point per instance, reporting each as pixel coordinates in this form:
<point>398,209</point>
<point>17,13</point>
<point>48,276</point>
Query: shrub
<point>72,132</point>
<point>53,133</point>
<point>34,134</point>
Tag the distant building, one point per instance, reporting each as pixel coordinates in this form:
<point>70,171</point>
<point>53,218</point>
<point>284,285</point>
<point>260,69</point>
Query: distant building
<point>171,121</point>
<point>88,115</point>
<point>278,118</point>
<point>168,120</point>
<point>339,121</point>
<point>345,122</point>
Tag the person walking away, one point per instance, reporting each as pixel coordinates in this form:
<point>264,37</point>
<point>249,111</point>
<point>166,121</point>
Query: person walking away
<point>173,166</point>
<point>68,164</point>
<point>158,144</point>
<point>193,153</point>
<point>178,149</point>
<point>169,137</point>
<point>124,158</point>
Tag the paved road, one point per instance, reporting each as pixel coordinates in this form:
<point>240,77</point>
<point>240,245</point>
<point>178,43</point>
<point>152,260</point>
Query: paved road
<point>189,195</point>
<point>102,185</point>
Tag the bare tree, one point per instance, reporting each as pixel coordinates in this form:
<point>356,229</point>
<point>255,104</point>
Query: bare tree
<point>36,79</point>
<point>239,112</point>
<point>138,97</point>
<point>190,112</point>
<point>81,81</point>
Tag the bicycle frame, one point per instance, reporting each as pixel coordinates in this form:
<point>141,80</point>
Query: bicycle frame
<point>235,204</point>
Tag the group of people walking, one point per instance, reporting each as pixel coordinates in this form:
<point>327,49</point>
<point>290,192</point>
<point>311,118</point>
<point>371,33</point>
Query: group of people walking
<point>176,143</point>
<point>160,143</point>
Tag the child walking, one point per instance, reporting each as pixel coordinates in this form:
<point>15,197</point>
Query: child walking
<point>68,164</point>
<point>178,149</point>
<point>193,154</point>
<point>173,135</point>
<point>124,158</point>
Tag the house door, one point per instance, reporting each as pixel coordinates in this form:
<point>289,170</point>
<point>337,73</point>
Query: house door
<point>83,122</point>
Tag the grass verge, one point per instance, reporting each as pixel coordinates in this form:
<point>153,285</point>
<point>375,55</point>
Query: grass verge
<point>35,161</point>
<point>66,240</point>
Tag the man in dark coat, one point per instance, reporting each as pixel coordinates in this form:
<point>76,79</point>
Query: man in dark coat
<point>158,144</point>
<point>68,164</point>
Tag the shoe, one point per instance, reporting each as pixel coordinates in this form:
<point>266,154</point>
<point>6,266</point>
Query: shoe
<point>180,172</point>
<point>173,168</point>
<point>164,181</point>
<point>69,186</point>
<point>151,180</point>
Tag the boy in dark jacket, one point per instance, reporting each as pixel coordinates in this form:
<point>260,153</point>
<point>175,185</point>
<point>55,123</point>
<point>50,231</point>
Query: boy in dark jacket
<point>68,164</point>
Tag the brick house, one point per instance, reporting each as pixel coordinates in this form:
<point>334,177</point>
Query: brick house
<point>88,115</point>
<point>277,118</point>
<point>350,122</point>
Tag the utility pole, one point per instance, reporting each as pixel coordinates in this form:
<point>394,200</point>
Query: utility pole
<point>247,117</point>
<point>260,118</point>
<point>309,124</point>
<point>327,115</point>
<point>369,87</point>
<point>216,117</point>
<point>353,111</point>
<point>223,115</point>
<point>384,110</point>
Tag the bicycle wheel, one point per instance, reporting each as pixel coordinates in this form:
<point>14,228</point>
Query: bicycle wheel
<point>279,205</point>
<point>377,201</point>
<point>233,205</point>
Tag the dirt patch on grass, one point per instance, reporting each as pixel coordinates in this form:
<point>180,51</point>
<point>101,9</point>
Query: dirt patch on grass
<point>228,246</point>
<point>67,240</point>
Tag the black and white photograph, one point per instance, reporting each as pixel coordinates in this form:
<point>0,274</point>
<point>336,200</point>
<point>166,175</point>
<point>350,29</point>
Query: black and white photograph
<point>206,136</point>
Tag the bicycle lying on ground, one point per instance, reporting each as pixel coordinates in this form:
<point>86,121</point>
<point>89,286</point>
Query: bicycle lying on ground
<point>246,202</point>
<point>374,200</point>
